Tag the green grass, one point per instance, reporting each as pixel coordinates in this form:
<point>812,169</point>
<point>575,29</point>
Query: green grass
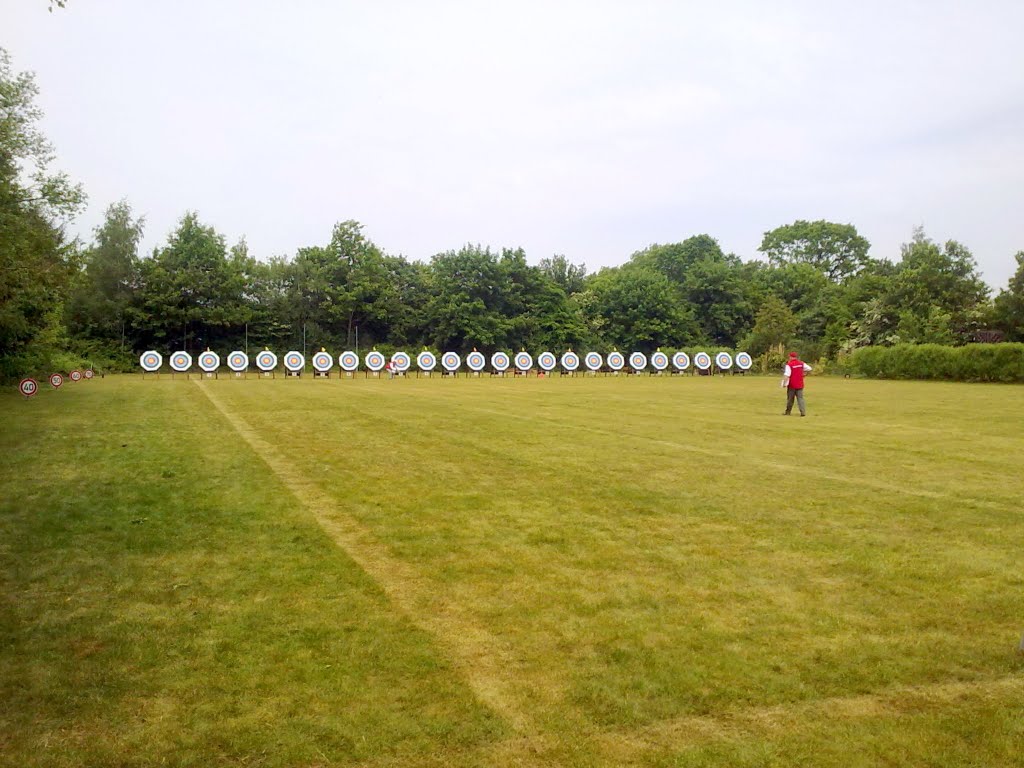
<point>498,572</point>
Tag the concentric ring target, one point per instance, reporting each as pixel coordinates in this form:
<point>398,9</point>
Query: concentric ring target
<point>349,361</point>
<point>56,380</point>
<point>681,361</point>
<point>294,361</point>
<point>547,361</point>
<point>75,375</point>
<point>723,360</point>
<point>615,361</point>
<point>743,361</point>
<point>659,361</point>
<point>209,361</point>
<point>426,361</point>
<point>637,361</point>
<point>89,373</point>
<point>500,362</point>
<point>524,361</point>
<point>593,361</point>
<point>401,361</point>
<point>476,361</point>
<point>570,361</point>
<point>702,360</point>
<point>323,361</point>
<point>451,361</point>
<point>238,361</point>
<point>266,360</point>
<point>151,361</point>
<point>181,361</point>
<point>374,360</point>
<point>28,387</point>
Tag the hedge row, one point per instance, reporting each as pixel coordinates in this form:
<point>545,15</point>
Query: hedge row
<point>975,362</point>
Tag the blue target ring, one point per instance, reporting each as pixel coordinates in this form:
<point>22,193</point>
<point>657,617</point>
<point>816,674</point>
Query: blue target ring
<point>524,361</point>
<point>400,361</point>
<point>702,360</point>
<point>570,361</point>
<point>500,362</point>
<point>451,361</point>
<point>238,361</point>
<point>681,361</point>
<point>374,360</point>
<point>151,361</point>
<point>181,361</point>
<point>266,360</point>
<point>615,361</point>
<point>349,361</point>
<point>476,361</point>
<point>547,361</point>
<point>743,361</point>
<point>638,361</point>
<point>322,361</point>
<point>209,361</point>
<point>294,361</point>
<point>426,361</point>
<point>593,361</point>
<point>723,360</point>
<point>660,361</point>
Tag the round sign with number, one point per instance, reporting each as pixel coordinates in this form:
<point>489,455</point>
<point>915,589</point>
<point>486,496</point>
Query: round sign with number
<point>476,361</point>
<point>28,387</point>
<point>75,375</point>
<point>659,360</point>
<point>500,362</point>
<point>266,360</point>
<point>238,361</point>
<point>374,360</point>
<point>180,361</point>
<point>547,361</point>
<point>89,373</point>
<point>322,361</point>
<point>349,361</point>
<point>400,361</point>
<point>593,361</point>
<point>570,361</point>
<point>638,361</point>
<point>524,361</point>
<point>209,361</point>
<point>451,361</point>
<point>426,361</point>
<point>56,380</point>
<point>743,361</point>
<point>151,361</point>
<point>723,360</point>
<point>615,361</point>
<point>681,361</point>
<point>294,360</point>
<point>702,360</point>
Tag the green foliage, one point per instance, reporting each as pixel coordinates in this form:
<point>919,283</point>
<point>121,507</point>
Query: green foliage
<point>837,250</point>
<point>1008,312</point>
<point>975,362</point>
<point>775,326</point>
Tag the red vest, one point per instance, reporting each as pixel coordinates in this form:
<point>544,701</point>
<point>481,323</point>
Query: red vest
<point>796,373</point>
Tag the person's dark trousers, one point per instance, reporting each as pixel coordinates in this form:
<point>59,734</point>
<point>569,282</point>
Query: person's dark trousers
<point>798,394</point>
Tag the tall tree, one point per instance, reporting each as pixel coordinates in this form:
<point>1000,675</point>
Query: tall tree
<point>1008,311</point>
<point>835,249</point>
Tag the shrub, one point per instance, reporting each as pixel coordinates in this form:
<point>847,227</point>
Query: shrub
<point>974,362</point>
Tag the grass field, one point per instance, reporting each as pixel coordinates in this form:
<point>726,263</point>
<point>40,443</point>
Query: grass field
<point>478,572</point>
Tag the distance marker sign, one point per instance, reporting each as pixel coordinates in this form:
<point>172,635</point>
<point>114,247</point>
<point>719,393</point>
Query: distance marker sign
<point>75,375</point>
<point>56,380</point>
<point>28,387</point>
<point>89,373</point>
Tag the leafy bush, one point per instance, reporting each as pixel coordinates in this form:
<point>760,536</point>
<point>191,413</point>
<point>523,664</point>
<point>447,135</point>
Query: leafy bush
<point>974,362</point>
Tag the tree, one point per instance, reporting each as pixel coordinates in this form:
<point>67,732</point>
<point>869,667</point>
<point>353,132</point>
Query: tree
<point>835,249</point>
<point>775,325</point>
<point>1008,310</point>
<point>570,277</point>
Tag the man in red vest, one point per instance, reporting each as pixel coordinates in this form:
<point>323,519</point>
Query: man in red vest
<point>793,381</point>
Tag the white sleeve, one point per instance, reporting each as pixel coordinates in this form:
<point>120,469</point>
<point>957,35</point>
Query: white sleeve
<point>807,367</point>
<point>787,371</point>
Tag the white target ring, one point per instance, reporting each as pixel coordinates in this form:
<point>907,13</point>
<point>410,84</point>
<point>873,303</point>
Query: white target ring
<point>238,361</point>
<point>524,361</point>
<point>89,373</point>
<point>659,361</point>
<point>266,360</point>
<point>681,361</point>
<point>743,361</point>
<point>28,387</point>
<point>56,380</point>
<point>638,361</point>
<point>500,362</point>
<point>323,361</point>
<point>151,361</point>
<point>349,361</point>
<point>426,361</point>
<point>570,361</point>
<point>723,360</point>
<point>615,361</point>
<point>451,361</point>
<point>476,361</point>
<point>294,361</point>
<point>180,362</point>
<point>401,361</point>
<point>593,361</point>
<point>702,360</point>
<point>209,361</point>
<point>547,361</point>
<point>374,361</point>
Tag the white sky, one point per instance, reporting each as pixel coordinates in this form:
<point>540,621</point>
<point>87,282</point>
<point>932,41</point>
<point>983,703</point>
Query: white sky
<point>586,128</point>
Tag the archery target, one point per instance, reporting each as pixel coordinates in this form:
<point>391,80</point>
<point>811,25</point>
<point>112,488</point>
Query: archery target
<point>593,361</point>
<point>547,361</point>
<point>180,361</point>
<point>570,361</point>
<point>294,361</point>
<point>266,360</point>
<point>209,361</point>
<point>75,375</point>
<point>638,361</point>
<point>349,361</point>
<point>151,361</point>
<point>659,360</point>
<point>500,362</point>
<point>89,373</point>
<point>451,361</point>
<point>681,361</point>
<point>702,360</point>
<point>28,387</point>
<point>723,360</point>
<point>476,361</point>
<point>238,361</point>
<point>374,360</point>
<point>524,361</point>
<point>743,361</point>
<point>401,361</point>
<point>323,361</point>
<point>426,361</point>
<point>615,361</point>
<point>56,380</point>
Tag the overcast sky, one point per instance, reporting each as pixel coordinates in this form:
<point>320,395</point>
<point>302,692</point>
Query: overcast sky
<point>590,129</point>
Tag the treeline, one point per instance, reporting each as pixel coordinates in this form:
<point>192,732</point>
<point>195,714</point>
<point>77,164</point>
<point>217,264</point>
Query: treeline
<point>64,303</point>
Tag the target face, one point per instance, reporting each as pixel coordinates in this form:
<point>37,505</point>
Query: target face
<point>702,360</point>
<point>322,361</point>
<point>374,360</point>
<point>180,361</point>
<point>238,361</point>
<point>151,361</point>
<point>593,361</point>
<point>570,361</point>
<point>451,361</point>
<point>266,360</point>
<point>426,361</point>
<point>500,362</point>
<point>681,361</point>
<point>743,361</point>
<point>56,380</point>
<point>524,361</point>
<point>638,361</point>
<point>547,361</point>
<point>28,387</point>
<point>615,361</point>
<point>349,361</point>
<point>209,361</point>
<point>659,360</point>
<point>723,360</point>
<point>294,361</point>
<point>476,361</point>
<point>400,361</point>
<point>89,373</point>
